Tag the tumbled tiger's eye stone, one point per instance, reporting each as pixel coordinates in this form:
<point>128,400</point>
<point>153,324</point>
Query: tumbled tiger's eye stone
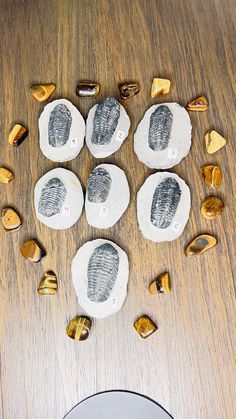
<point>214,141</point>
<point>200,104</point>
<point>145,326</point>
<point>10,219</point>
<point>79,328</point>
<point>212,175</point>
<point>48,284</point>
<point>42,92</point>
<point>6,175</point>
<point>161,284</point>
<point>160,87</point>
<point>32,251</point>
<point>17,135</point>
<point>87,89</point>
<point>128,90</point>
<point>200,245</point>
<point>212,207</point>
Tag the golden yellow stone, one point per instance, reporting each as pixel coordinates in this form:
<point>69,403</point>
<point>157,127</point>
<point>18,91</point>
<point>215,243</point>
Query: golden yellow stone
<point>145,326</point>
<point>161,284</point>
<point>17,135</point>
<point>87,89</point>
<point>160,87</point>
<point>42,92</point>
<point>199,104</point>
<point>79,328</point>
<point>32,251</point>
<point>48,284</point>
<point>200,245</point>
<point>212,175</point>
<point>214,141</point>
<point>128,89</point>
<point>6,175</point>
<point>10,219</point>
<point>212,207</point>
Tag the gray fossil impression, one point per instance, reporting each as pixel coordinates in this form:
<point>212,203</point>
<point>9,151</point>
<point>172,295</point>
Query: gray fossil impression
<point>52,197</point>
<point>102,272</point>
<point>99,185</point>
<point>105,121</point>
<point>160,126</point>
<point>165,202</point>
<point>59,126</point>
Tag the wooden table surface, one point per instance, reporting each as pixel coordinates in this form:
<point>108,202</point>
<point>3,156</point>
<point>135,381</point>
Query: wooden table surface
<point>188,366</point>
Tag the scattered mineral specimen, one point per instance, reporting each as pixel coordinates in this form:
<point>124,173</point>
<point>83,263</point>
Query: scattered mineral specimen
<point>79,328</point>
<point>6,175</point>
<point>161,284</point>
<point>145,326</point>
<point>200,245</point>
<point>199,104</point>
<point>160,87</point>
<point>212,175</point>
<point>17,135</point>
<point>42,92</point>
<point>214,141</point>
<point>87,89</point>
<point>48,284</point>
<point>10,219</point>
<point>128,90</point>
<point>32,251</point>
<point>212,207</point>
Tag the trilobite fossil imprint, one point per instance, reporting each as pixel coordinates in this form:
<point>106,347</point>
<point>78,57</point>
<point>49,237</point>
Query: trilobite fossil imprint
<point>52,198</point>
<point>99,185</point>
<point>165,202</point>
<point>105,121</point>
<point>102,272</point>
<point>160,126</point>
<point>59,125</point>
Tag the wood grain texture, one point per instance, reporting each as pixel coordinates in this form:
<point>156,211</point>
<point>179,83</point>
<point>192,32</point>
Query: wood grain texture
<point>188,366</point>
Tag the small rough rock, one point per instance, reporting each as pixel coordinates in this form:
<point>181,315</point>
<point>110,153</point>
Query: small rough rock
<point>10,219</point>
<point>42,92</point>
<point>200,245</point>
<point>17,135</point>
<point>48,284</point>
<point>212,175</point>
<point>161,284</point>
<point>87,89</point>
<point>6,175</point>
<point>128,90</point>
<point>32,251</point>
<point>212,207</point>
<point>199,104</point>
<point>214,141</point>
<point>160,87</point>
<point>79,328</point>
<point>145,327</point>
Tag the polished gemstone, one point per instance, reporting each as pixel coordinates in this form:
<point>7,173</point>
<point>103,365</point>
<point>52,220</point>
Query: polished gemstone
<point>128,90</point>
<point>48,284</point>
<point>32,251</point>
<point>200,245</point>
<point>79,328</point>
<point>199,104</point>
<point>10,219</point>
<point>161,284</point>
<point>212,175</point>
<point>17,135</point>
<point>87,89</point>
<point>160,87</point>
<point>6,175</point>
<point>42,92</point>
<point>145,326</point>
<point>212,207</point>
<point>214,141</point>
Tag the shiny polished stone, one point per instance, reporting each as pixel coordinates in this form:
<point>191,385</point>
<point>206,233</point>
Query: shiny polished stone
<point>214,141</point>
<point>200,245</point>
<point>79,328</point>
<point>145,327</point>
<point>32,251</point>
<point>212,175</point>
<point>42,92</point>
<point>17,135</point>
<point>212,207</point>
<point>128,90</point>
<point>10,219</point>
<point>87,89</point>
<point>6,175</point>
<point>161,284</point>
<point>199,104</point>
<point>48,284</point>
<point>160,87</point>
